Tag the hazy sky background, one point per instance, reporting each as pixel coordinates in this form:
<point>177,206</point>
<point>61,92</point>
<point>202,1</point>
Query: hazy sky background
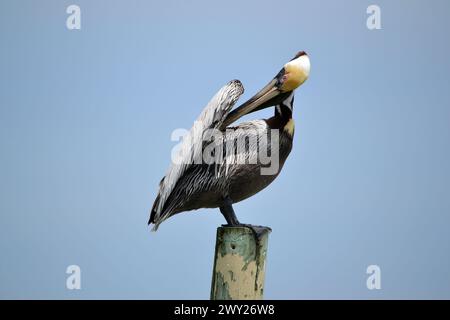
<point>85,124</point>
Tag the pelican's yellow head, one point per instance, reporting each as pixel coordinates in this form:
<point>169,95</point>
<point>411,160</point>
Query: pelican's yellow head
<point>296,72</point>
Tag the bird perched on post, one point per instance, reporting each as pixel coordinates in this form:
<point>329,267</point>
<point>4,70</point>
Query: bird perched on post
<point>239,169</point>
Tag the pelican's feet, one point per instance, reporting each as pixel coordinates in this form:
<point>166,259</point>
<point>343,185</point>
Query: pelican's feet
<point>258,231</point>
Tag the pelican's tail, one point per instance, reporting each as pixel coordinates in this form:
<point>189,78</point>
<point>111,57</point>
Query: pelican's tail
<point>153,215</point>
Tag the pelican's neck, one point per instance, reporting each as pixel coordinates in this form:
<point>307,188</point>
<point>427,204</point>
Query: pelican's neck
<point>283,111</point>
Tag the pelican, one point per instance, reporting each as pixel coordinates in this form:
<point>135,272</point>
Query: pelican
<point>190,184</point>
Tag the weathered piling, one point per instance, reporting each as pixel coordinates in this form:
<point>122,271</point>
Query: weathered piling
<point>239,263</point>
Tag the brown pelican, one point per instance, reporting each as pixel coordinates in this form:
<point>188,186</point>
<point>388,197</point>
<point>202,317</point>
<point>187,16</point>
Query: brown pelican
<point>192,183</point>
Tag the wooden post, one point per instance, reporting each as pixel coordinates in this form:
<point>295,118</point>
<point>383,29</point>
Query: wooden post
<point>239,263</point>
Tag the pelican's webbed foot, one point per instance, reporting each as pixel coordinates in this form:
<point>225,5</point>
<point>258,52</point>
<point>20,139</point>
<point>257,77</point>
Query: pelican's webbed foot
<point>258,231</point>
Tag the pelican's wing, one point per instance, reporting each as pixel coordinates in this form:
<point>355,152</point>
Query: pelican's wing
<point>191,149</point>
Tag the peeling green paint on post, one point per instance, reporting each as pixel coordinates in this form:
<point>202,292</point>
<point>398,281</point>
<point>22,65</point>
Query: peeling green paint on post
<point>222,289</point>
<point>239,263</point>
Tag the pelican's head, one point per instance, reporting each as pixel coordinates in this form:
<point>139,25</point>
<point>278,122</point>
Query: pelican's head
<point>291,76</point>
<point>295,72</point>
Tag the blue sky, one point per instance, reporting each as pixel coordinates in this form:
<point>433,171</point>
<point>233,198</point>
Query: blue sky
<point>86,117</point>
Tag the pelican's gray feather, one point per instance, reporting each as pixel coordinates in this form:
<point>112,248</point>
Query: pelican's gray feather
<point>191,150</point>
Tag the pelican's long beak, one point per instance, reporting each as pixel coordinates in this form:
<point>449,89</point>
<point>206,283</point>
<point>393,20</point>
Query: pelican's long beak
<point>293,74</point>
<point>266,94</point>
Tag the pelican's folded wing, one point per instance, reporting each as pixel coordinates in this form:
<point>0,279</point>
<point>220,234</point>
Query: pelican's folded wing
<point>191,150</point>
